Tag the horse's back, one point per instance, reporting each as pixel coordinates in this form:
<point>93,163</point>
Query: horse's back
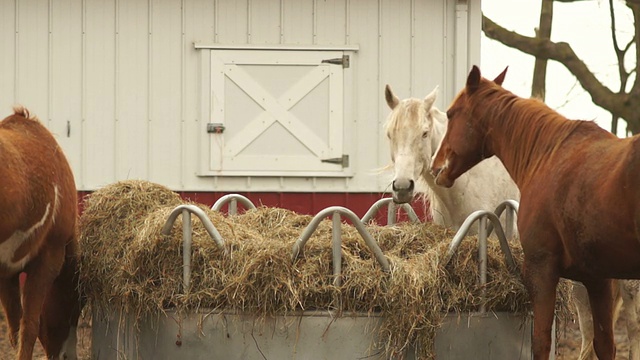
<point>25,139</point>
<point>43,195</point>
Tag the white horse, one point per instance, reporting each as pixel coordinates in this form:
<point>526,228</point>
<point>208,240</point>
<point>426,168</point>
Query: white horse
<point>415,128</point>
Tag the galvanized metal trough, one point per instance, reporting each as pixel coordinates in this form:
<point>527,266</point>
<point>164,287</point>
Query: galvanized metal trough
<point>310,335</point>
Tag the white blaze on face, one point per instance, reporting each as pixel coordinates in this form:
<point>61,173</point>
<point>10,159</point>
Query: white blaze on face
<point>11,245</point>
<point>446,161</point>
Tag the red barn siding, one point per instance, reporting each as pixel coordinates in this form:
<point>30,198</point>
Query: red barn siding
<point>303,203</point>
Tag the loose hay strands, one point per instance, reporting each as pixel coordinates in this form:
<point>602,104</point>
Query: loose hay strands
<point>109,222</point>
<point>258,276</point>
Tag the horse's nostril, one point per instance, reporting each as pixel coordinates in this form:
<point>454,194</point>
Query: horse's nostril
<point>402,185</point>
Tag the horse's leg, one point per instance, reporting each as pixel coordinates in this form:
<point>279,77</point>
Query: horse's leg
<point>41,273</point>
<point>10,298</point>
<point>601,300</point>
<point>585,320</point>
<point>61,310</point>
<point>631,306</point>
<point>541,279</point>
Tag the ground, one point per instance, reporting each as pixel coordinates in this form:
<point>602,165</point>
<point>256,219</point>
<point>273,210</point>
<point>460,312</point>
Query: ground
<point>568,345</point>
<point>84,341</point>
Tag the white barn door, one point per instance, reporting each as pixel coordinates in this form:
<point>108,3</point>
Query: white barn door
<point>277,113</point>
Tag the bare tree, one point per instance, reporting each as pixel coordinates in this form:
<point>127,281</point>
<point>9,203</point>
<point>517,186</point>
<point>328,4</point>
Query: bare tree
<point>624,104</point>
<point>540,68</point>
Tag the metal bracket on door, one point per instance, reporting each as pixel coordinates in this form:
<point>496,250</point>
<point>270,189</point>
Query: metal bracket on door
<point>344,61</point>
<point>343,160</point>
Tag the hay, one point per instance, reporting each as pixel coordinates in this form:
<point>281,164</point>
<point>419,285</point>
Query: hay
<point>109,222</point>
<point>258,277</point>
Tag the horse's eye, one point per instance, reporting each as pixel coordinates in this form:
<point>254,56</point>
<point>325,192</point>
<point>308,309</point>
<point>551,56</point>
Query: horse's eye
<point>449,114</point>
<point>425,134</point>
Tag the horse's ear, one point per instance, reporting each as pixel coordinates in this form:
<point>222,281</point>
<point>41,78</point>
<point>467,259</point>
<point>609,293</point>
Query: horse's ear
<point>473,80</point>
<point>430,99</point>
<point>500,78</point>
<point>392,99</point>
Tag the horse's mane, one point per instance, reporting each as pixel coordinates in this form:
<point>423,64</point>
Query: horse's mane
<point>532,130</point>
<point>406,109</point>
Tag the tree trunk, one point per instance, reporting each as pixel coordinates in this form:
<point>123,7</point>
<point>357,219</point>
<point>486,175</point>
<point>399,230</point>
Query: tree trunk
<point>544,32</point>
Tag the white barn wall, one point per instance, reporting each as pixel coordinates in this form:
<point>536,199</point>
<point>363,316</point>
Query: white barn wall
<point>120,82</point>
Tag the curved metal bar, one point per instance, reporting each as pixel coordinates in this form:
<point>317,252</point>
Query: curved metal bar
<point>336,245</point>
<point>313,225</point>
<point>464,229</point>
<point>482,258</point>
<point>233,198</point>
<point>373,210</point>
<point>512,207</point>
<point>187,231</point>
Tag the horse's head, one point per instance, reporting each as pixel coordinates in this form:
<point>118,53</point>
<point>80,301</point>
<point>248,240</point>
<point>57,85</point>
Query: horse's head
<point>463,145</point>
<point>414,128</point>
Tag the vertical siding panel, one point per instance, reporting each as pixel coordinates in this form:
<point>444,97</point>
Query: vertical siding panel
<point>66,79</point>
<point>132,95</point>
<point>264,21</point>
<point>33,55</point>
<point>428,51</point>
<point>297,27</point>
<point>199,28</point>
<point>368,93</point>
<point>98,142</point>
<point>395,59</point>
<point>330,22</point>
<point>448,14</point>
<point>165,125</point>
<point>231,21</point>
<point>395,54</point>
<point>7,62</point>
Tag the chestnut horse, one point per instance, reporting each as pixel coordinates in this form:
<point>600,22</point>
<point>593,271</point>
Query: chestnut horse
<point>579,215</point>
<point>38,236</point>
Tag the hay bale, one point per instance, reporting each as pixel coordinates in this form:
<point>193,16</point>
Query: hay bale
<point>257,276</point>
<point>109,222</point>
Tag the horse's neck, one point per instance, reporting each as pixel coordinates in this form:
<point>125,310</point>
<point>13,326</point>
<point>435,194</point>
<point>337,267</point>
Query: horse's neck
<point>448,207</point>
<point>524,145</point>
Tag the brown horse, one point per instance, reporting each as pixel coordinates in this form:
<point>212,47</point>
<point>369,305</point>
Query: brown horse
<point>38,236</point>
<point>579,214</point>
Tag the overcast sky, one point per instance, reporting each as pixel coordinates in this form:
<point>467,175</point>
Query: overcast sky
<point>585,25</point>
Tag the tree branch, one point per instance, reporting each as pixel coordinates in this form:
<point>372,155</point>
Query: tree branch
<point>561,52</point>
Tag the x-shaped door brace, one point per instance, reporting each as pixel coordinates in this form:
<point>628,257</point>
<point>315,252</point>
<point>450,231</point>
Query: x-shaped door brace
<point>276,110</point>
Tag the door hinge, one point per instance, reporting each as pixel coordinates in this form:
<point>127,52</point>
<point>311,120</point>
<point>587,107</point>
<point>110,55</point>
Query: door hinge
<point>344,61</point>
<point>343,160</point>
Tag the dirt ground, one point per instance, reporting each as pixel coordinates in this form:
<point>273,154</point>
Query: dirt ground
<point>568,345</point>
<point>84,341</point>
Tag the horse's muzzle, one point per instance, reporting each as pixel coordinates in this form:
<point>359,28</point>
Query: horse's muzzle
<point>402,190</point>
<point>441,178</point>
